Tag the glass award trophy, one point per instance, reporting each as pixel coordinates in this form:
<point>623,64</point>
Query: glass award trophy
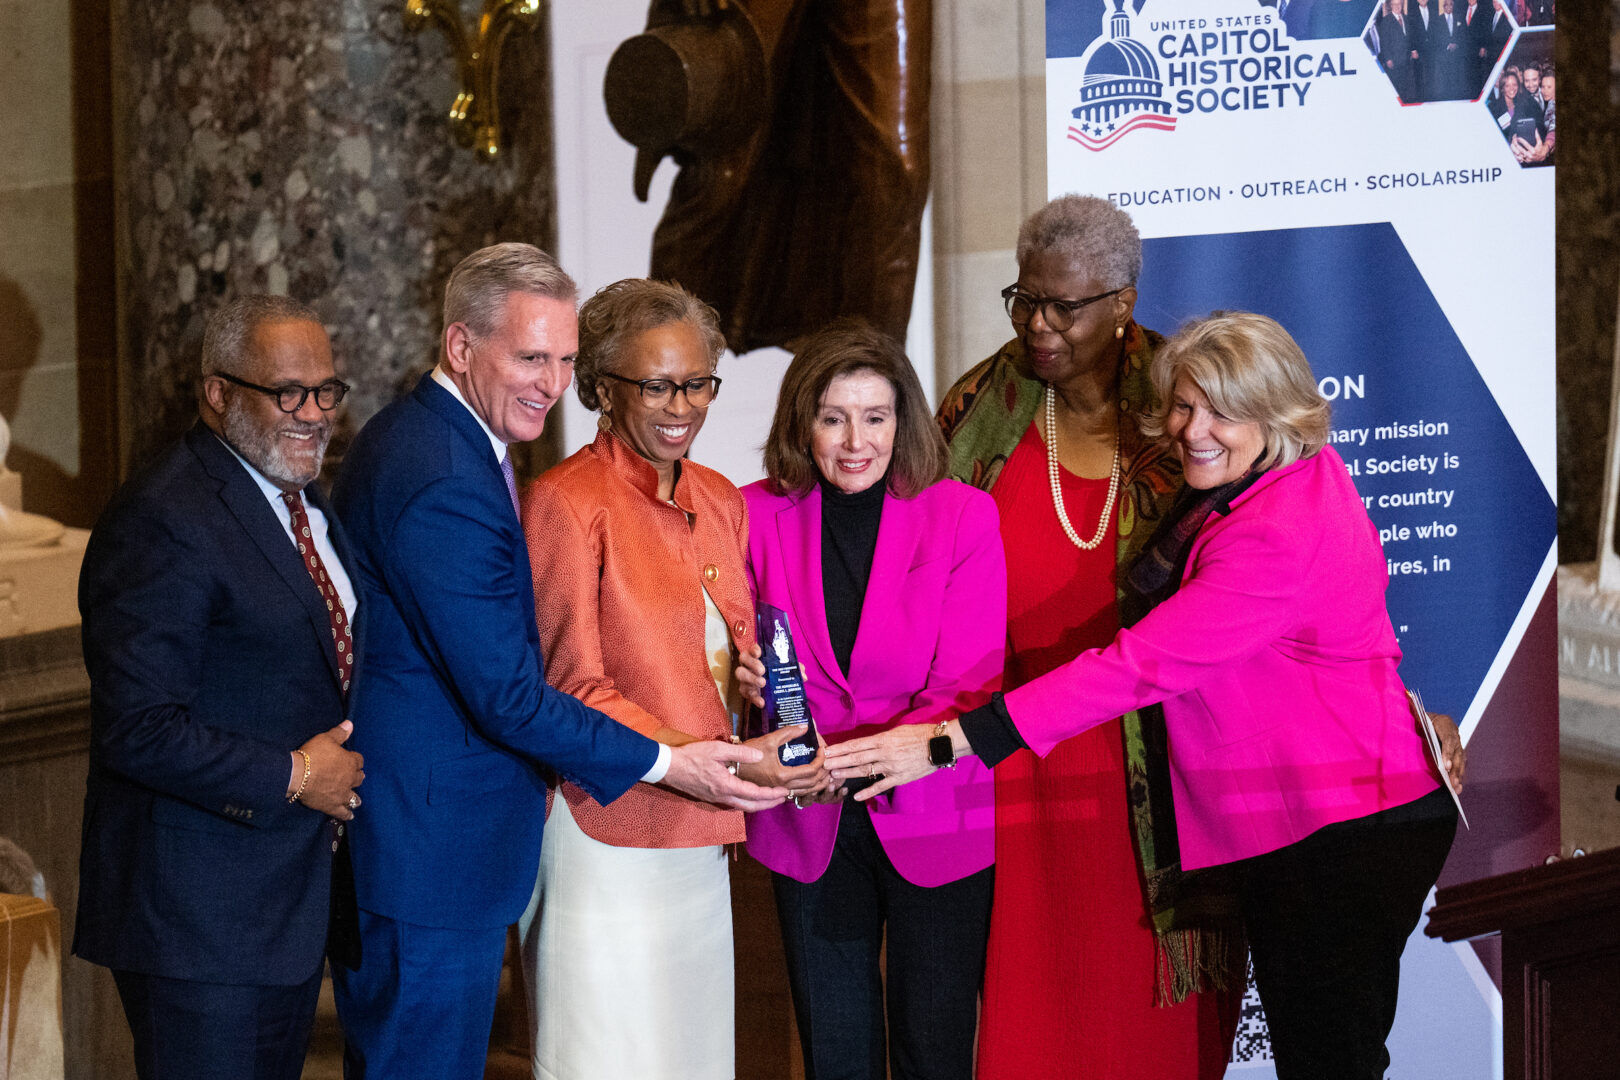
<point>785,704</point>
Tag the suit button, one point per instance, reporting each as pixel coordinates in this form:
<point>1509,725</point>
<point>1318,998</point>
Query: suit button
<point>738,628</point>
<point>334,847</point>
<point>340,828</point>
<point>849,702</point>
<point>711,572</point>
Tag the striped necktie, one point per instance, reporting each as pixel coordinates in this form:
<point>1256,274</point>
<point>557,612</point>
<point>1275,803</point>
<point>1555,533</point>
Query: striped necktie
<point>510,475</point>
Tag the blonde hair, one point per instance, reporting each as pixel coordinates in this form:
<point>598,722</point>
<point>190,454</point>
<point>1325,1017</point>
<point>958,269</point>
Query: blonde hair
<point>1252,371</point>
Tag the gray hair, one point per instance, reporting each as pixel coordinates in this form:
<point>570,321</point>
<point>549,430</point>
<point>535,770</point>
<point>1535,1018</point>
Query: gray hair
<point>230,329</point>
<point>1092,233</point>
<point>620,311</point>
<point>1252,371</point>
<point>480,283</point>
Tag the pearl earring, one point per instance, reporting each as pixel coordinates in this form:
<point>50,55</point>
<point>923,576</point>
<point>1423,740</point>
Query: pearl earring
<point>1119,331</point>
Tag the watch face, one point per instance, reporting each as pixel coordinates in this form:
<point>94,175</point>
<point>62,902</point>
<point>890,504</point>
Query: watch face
<point>940,752</point>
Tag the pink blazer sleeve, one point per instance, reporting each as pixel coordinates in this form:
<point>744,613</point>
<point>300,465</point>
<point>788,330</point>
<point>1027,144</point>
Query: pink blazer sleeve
<point>1243,595</point>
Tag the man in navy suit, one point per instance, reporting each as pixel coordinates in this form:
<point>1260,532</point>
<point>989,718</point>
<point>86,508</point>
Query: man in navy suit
<point>1450,53</point>
<point>215,596</point>
<point>1487,27</point>
<point>1397,51</point>
<point>457,722</point>
<point>1424,20</point>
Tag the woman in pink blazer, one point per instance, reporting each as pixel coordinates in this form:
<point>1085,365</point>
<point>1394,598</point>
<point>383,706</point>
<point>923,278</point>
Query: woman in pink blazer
<point>896,591</point>
<point>1261,627</point>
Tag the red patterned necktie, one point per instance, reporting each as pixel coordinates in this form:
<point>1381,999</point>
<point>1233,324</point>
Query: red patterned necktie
<point>341,638</point>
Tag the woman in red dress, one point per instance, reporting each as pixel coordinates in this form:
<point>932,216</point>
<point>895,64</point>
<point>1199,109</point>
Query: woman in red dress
<point>1104,961</point>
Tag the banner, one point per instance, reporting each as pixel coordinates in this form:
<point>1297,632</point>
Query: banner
<point>1377,176</point>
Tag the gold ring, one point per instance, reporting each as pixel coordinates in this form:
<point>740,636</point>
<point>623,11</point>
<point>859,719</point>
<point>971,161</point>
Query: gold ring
<point>871,770</point>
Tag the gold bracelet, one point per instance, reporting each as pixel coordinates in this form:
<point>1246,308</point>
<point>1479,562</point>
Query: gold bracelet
<point>299,794</point>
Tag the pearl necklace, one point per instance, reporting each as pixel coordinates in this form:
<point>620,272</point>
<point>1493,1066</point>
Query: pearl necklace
<point>1057,486</point>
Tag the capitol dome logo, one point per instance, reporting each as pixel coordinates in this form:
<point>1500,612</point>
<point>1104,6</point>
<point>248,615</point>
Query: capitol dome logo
<point>1121,90</point>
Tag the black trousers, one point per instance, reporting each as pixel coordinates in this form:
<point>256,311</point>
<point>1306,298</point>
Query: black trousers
<point>187,1030</point>
<point>1327,919</point>
<point>833,929</point>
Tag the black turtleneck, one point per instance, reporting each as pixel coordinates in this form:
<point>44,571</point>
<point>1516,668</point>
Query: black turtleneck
<point>849,529</point>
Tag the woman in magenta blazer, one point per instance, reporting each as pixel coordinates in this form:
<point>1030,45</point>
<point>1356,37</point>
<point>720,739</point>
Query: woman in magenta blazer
<point>1261,627</point>
<point>896,591</point>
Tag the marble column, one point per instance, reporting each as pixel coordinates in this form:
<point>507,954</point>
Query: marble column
<point>989,167</point>
<point>300,148</point>
<point>1588,228</point>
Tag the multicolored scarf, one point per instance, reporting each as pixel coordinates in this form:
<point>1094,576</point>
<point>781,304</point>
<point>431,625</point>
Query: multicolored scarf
<point>1195,916</point>
<point>1156,574</point>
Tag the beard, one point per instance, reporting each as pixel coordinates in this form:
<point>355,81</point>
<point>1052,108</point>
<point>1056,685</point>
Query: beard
<point>267,451</point>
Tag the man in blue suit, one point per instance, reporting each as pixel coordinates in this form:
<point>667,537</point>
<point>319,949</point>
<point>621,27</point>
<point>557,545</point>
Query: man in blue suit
<point>1397,50</point>
<point>458,725</point>
<point>216,598</point>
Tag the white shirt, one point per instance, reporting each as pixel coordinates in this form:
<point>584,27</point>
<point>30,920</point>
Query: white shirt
<point>500,449</point>
<point>317,533</point>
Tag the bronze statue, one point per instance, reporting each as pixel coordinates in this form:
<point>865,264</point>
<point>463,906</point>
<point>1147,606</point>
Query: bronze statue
<point>801,132</point>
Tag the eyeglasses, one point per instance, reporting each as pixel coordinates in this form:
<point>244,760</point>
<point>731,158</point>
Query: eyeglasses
<point>656,393</point>
<point>291,398</point>
<point>1056,312</point>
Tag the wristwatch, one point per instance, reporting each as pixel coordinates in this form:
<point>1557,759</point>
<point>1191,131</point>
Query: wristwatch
<point>941,754</point>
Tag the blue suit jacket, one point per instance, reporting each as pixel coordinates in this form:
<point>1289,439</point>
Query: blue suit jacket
<point>455,718</point>
<point>210,659</point>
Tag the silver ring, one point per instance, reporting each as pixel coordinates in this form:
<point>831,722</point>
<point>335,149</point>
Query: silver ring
<point>797,804</point>
<point>871,770</point>
<point>354,802</point>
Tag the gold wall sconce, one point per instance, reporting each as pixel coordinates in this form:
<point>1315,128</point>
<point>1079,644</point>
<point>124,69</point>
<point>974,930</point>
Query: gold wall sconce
<point>475,117</point>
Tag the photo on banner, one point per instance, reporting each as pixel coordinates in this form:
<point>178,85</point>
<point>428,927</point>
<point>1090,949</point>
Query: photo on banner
<point>1344,167</point>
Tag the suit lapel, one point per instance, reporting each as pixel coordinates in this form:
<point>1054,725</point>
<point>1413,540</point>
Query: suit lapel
<point>247,504</point>
<point>460,417</point>
<point>435,398</point>
<point>334,529</point>
<point>891,558</point>
<point>799,531</point>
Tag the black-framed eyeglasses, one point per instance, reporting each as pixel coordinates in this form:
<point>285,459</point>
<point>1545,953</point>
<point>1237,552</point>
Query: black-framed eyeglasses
<point>1055,311</point>
<point>656,393</point>
<point>291,398</point>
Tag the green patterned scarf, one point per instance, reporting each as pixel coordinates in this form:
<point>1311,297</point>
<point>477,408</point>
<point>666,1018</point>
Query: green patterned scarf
<point>1195,915</point>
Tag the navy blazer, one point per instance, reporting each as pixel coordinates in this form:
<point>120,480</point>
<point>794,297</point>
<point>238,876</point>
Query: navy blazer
<point>210,659</point>
<point>455,719</point>
<point>1396,42</point>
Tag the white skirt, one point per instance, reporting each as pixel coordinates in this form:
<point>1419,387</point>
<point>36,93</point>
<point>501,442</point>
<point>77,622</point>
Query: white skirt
<point>627,957</point>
